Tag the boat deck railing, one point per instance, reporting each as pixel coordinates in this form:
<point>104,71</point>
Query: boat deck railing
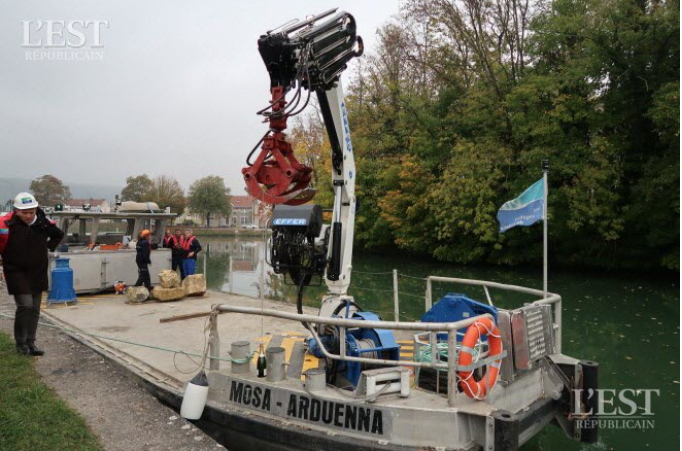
<point>551,299</point>
<point>432,329</point>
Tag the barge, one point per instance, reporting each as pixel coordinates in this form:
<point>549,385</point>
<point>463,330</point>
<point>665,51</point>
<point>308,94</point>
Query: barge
<point>101,246</point>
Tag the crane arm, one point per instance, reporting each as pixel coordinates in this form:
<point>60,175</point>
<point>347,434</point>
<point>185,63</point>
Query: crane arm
<point>306,58</point>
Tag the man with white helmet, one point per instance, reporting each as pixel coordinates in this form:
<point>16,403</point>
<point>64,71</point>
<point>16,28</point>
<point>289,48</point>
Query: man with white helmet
<point>25,237</point>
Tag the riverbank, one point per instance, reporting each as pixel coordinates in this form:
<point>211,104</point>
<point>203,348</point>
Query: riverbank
<point>121,414</point>
<point>32,416</point>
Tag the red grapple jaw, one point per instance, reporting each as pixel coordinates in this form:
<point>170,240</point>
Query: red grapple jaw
<point>276,177</point>
<point>273,186</point>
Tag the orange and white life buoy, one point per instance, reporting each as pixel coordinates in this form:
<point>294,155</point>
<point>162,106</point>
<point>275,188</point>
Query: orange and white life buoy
<point>473,388</point>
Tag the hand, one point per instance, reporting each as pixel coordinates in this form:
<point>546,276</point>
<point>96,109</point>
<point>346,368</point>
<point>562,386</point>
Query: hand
<point>190,255</point>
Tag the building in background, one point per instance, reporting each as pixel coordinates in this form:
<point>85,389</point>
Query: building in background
<point>247,213</point>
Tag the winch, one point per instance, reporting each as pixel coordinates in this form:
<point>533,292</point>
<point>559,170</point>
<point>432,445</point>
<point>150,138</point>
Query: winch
<point>369,343</point>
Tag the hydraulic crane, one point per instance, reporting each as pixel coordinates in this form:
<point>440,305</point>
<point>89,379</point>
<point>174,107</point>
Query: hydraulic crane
<point>302,58</point>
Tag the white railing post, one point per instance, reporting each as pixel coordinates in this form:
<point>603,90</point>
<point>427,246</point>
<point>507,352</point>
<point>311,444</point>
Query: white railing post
<point>558,319</point>
<point>396,299</point>
<point>428,301</point>
<point>214,343</point>
<point>452,367</point>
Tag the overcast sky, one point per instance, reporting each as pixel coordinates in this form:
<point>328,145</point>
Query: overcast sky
<point>173,89</point>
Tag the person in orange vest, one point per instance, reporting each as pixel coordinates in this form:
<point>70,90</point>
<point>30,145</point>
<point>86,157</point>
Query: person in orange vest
<point>175,244</point>
<point>166,239</point>
<point>143,259</point>
<point>191,247</point>
<point>25,237</point>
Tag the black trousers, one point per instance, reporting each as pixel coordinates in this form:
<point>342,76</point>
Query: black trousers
<point>143,277</point>
<point>176,262</point>
<point>26,318</point>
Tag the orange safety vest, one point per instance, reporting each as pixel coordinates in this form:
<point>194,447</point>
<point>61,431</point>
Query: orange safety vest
<point>187,242</point>
<point>4,231</point>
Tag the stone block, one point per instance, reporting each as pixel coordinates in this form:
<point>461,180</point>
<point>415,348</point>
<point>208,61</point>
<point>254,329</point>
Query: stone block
<point>137,295</point>
<point>169,294</point>
<point>169,279</point>
<point>195,285</point>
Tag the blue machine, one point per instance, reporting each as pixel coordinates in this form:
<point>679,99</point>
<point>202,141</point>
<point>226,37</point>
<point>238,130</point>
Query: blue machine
<point>374,343</point>
<point>454,307</point>
<point>61,291</point>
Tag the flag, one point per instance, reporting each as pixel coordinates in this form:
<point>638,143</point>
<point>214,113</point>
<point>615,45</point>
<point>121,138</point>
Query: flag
<point>525,210</point>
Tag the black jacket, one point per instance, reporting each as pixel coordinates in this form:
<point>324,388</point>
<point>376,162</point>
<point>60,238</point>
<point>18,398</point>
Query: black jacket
<point>143,252</point>
<point>194,247</point>
<point>174,244</point>
<point>25,259</point>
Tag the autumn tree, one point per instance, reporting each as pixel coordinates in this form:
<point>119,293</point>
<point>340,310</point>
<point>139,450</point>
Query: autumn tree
<point>452,113</point>
<point>167,192</point>
<point>208,196</point>
<point>49,190</point>
<point>136,188</point>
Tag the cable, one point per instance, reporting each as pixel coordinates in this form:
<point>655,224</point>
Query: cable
<point>248,158</point>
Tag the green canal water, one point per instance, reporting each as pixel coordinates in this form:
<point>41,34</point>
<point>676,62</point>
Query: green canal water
<point>630,325</point>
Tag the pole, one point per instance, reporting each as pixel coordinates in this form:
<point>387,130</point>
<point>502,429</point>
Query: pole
<point>396,300</point>
<point>545,170</point>
<point>208,245</point>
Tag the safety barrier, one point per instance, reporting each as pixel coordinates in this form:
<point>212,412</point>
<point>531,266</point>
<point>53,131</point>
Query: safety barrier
<point>433,329</point>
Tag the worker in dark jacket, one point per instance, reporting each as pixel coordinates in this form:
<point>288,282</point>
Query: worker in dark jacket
<point>191,247</point>
<point>176,243</point>
<point>143,259</point>
<point>25,237</point>
<point>166,239</point>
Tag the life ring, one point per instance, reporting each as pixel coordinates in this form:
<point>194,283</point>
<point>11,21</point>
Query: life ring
<point>473,388</point>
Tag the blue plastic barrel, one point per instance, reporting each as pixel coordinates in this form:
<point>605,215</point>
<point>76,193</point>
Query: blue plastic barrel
<point>62,290</point>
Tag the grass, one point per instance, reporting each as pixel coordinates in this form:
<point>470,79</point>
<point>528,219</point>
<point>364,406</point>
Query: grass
<point>32,416</point>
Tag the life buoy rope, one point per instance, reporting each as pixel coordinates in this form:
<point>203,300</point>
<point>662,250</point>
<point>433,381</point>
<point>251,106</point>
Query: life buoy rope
<point>473,388</point>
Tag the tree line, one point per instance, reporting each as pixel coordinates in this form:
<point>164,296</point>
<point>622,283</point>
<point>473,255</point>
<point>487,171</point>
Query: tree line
<point>453,112</point>
<point>207,196</point>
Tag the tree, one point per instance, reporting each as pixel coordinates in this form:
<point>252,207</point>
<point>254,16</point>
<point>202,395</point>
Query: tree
<point>209,196</point>
<point>49,190</point>
<point>167,192</point>
<point>136,188</point>
<point>461,101</point>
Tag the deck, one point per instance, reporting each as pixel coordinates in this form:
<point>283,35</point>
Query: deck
<point>135,335</point>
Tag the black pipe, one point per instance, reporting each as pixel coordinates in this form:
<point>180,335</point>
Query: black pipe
<point>590,429</point>
<point>335,263</point>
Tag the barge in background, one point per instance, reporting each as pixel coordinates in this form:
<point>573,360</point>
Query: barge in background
<point>101,246</point>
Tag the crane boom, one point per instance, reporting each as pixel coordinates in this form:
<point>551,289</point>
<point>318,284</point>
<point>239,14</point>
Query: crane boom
<point>302,59</point>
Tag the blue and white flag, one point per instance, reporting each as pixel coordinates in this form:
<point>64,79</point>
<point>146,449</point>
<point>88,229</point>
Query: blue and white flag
<point>525,210</point>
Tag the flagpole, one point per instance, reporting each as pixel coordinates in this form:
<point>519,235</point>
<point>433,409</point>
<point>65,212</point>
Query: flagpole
<point>545,170</point>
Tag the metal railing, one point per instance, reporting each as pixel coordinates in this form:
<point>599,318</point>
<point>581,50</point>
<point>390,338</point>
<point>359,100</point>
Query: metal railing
<point>433,329</point>
<point>552,299</point>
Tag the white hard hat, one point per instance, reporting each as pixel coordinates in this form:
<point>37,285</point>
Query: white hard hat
<point>24,201</point>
